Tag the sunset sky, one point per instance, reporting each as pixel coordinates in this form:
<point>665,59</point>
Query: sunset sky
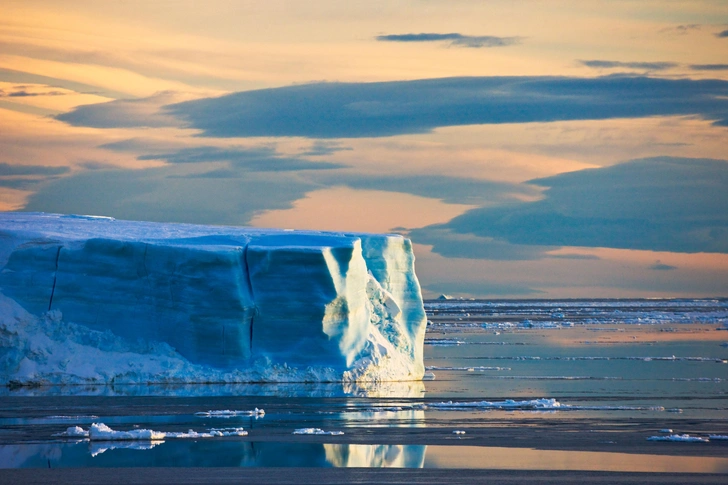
<point>530,149</point>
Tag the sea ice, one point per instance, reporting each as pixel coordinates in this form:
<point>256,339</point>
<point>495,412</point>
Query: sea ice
<point>539,404</point>
<point>227,413</point>
<point>686,438</point>
<point>75,432</point>
<point>317,431</point>
<point>87,299</point>
<point>101,432</point>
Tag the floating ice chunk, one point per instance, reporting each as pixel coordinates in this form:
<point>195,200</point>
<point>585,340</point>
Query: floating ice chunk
<point>666,430</point>
<point>101,432</point>
<point>533,405</point>
<point>90,416</point>
<point>686,438</point>
<point>507,404</point>
<point>226,413</point>
<point>443,341</point>
<point>74,431</point>
<point>317,431</point>
<point>228,432</point>
<point>457,431</point>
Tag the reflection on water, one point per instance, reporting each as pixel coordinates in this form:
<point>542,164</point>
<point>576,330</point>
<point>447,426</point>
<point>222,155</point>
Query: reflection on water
<point>228,453</point>
<point>496,458</point>
<point>288,389</point>
<point>209,453</point>
<point>375,456</point>
<point>619,383</point>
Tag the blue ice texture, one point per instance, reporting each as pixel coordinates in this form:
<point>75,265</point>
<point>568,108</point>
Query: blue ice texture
<point>94,299</point>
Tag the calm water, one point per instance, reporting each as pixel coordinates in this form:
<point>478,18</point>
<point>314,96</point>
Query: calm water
<point>573,385</point>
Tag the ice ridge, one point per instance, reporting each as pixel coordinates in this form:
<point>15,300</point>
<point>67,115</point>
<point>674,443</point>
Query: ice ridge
<point>94,299</point>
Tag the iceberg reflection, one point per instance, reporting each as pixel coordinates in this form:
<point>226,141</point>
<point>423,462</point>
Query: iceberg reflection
<point>209,453</point>
<point>400,389</point>
<point>376,456</point>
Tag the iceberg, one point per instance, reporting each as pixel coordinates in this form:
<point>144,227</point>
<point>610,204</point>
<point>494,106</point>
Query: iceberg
<point>94,299</point>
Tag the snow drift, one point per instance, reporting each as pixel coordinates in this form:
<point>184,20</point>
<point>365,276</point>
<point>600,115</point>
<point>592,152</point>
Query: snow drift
<point>94,299</point>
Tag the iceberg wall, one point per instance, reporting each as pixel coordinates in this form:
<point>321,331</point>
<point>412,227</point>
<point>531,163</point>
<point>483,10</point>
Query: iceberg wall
<point>151,302</point>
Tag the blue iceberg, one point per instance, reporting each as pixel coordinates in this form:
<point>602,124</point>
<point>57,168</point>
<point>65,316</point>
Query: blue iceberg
<point>94,299</point>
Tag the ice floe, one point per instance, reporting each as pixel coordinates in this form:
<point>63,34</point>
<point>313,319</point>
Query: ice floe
<point>532,405</point>
<point>317,431</point>
<point>685,438</point>
<point>227,413</point>
<point>102,432</point>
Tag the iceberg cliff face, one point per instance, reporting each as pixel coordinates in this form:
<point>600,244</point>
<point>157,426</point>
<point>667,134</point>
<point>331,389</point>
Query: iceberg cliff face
<point>97,299</point>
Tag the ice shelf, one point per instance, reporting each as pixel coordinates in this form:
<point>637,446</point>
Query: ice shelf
<point>95,299</point>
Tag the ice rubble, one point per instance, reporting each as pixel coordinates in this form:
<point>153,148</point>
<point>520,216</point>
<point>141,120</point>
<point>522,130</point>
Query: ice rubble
<point>101,432</point>
<point>98,300</point>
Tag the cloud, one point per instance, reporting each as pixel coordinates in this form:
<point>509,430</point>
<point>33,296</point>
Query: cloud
<point>249,159</point>
<point>447,243</point>
<point>475,41</point>
<point>239,158</point>
<point>7,169</point>
<point>648,66</point>
<point>24,93</point>
<point>172,193</point>
<point>322,148</point>
<point>123,113</point>
<point>577,257</point>
<point>332,110</point>
<point>659,204</point>
<point>658,266</point>
<point>709,67</point>
<point>681,29</point>
<point>722,34</point>
<point>18,183</point>
<point>453,190</point>
<point>12,76</point>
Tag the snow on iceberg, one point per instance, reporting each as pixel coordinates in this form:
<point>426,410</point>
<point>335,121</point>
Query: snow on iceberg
<point>97,300</point>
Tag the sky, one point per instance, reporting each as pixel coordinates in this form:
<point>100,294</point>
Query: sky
<point>530,149</point>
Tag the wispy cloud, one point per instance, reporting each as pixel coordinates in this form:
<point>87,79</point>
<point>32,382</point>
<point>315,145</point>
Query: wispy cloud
<point>322,148</point>
<point>261,159</point>
<point>658,266</point>
<point>623,206</point>
<point>453,38</point>
<point>124,113</point>
<point>23,93</point>
<point>647,66</point>
<point>709,67</point>
<point>176,192</point>
<point>681,29</point>
<point>333,110</point>
<point>7,169</point>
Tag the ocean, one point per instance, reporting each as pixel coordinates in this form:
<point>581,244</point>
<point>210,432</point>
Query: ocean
<point>584,385</point>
